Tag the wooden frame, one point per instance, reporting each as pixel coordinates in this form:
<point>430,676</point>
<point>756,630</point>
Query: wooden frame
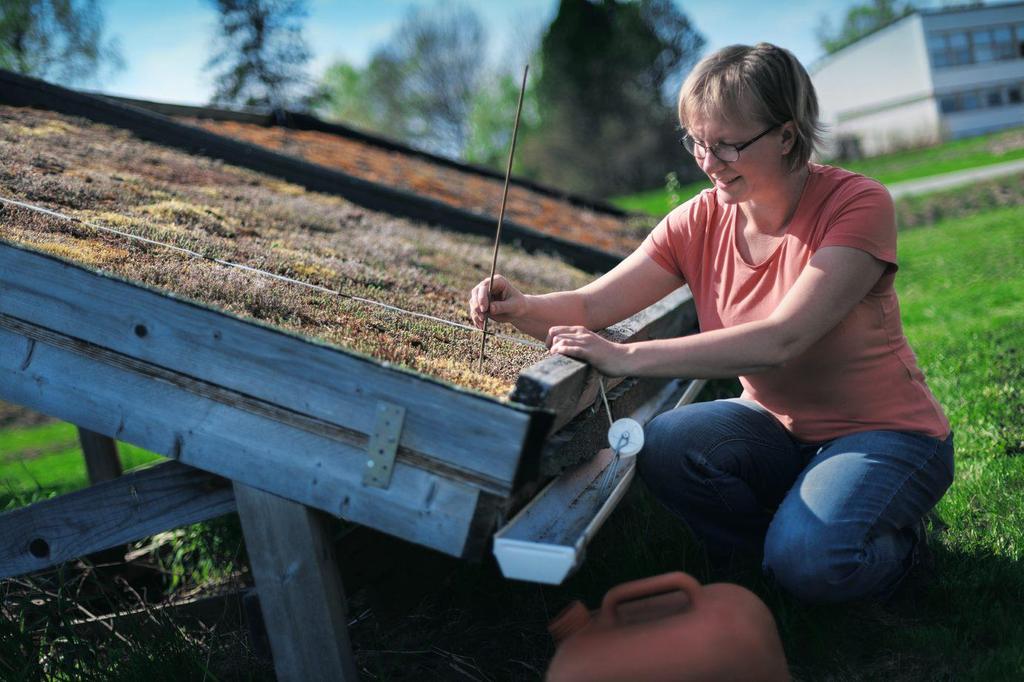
<point>271,423</point>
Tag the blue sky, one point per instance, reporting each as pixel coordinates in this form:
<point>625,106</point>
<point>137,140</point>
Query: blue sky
<point>166,44</point>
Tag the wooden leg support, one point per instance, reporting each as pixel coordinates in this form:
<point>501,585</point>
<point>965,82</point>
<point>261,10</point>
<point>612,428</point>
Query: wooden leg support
<point>299,586</point>
<point>101,459</point>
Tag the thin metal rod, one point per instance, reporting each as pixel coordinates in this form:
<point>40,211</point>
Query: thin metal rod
<point>501,215</point>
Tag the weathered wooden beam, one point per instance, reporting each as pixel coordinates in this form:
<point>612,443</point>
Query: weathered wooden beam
<point>102,463</point>
<point>299,587</point>
<point>133,506</point>
<point>587,433</point>
<point>567,386</point>
<point>230,434</point>
<point>496,440</point>
<point>25,91</point>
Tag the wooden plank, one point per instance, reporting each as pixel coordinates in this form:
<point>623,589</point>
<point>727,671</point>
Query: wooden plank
<point>321,381</point>
<point>24,91</point>
<point>587,433</point>
<point>299,586</point>
<point>567,386</point>
<point>102,463</point>
<point>229,434</point>
<point>133,506</point>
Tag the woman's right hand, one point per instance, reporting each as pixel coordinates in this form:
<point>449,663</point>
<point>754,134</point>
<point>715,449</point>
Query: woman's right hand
<point>507,302</point>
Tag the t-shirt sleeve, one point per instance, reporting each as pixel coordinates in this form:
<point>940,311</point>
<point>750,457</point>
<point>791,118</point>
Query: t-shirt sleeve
<point>667,243</point>
<point>864,219</point>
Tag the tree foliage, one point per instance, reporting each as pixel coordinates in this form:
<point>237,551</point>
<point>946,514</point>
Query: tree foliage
<point>492,116</point>
<point>419,85</point>
<point>859,21</point>
<point>261,60</point>
<point>605,95</point>
<point>60,40</point>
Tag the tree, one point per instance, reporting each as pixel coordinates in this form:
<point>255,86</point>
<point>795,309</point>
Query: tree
<point>60,40</point>
<point>419,86</point>
<point>860,20</point>
<point>343,94</point>
<point>492,115</point>
<point>262,59</point>
<point>606,95</point>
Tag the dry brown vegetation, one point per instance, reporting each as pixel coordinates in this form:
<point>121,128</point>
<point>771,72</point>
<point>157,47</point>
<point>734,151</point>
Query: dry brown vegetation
<point>471,192</point>
<point>107,176</point>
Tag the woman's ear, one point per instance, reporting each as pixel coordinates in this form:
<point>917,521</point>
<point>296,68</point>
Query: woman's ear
<point>788,137</point>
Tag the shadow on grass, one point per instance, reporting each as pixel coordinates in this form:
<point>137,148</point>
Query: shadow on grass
<point>439,618</point>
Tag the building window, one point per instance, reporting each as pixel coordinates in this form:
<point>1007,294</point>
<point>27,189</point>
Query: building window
<point>947,104</point>
<point>1002,43</point>
<point>982,43</point>
<point>937,50</point>
<point>959,48</point>
<point>989,98</point>
<point>977,46</point>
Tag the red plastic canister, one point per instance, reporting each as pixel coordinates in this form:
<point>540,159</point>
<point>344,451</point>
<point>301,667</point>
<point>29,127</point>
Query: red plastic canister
<point>669,628</point>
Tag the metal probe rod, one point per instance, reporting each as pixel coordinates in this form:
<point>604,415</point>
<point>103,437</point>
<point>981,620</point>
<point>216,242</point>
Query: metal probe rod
<point>501,215</point>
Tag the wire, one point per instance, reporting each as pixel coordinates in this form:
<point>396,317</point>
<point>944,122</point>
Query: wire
<point>604,397</point>
<point>282,278</point>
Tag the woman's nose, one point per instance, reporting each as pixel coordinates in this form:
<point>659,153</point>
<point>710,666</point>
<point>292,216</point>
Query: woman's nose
<point>710,162</point>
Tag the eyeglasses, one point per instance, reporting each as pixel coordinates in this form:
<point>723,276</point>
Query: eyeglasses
<point>726,153</point>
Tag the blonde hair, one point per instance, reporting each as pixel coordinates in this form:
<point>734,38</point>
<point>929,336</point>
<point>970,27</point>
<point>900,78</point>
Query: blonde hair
<point>764,84</point>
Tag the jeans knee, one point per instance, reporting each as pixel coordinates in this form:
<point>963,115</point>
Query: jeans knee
<point>810,567</point>
<point>667,458</point>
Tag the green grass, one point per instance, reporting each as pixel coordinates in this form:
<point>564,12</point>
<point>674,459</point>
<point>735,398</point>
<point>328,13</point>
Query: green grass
<point>47,459</point>
<point>983,150</point>
<point>960,284</point>
<point>960,287</point>
<point>658,202</point>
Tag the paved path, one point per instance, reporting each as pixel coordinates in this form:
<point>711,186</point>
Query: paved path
<point>947,180</point>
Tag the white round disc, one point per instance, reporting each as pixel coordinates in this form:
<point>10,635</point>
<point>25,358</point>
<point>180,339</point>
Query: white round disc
<point>626,435</point>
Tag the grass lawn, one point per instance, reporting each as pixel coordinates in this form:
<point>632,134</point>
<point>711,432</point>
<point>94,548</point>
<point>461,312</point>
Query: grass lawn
<point>983,150</point>
<point>47,459</point>
<point>971,152</point>
<point>960,285</point>
<point>658,202</point>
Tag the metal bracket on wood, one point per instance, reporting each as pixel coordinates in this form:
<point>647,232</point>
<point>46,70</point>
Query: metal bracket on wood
<point>383,445</point>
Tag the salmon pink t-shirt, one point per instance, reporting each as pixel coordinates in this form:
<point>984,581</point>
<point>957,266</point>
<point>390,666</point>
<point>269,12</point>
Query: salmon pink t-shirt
<point>861,375</point>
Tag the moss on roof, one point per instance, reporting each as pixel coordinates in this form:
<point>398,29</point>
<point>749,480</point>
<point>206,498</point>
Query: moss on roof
<point>475,193</point>
<point>107,176</point>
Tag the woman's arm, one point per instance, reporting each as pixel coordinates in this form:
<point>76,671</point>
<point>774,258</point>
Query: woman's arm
<point>834,281</point>
<point>631,286</point>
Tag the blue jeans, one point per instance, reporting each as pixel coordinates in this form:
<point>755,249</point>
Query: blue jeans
<point>833,521</point>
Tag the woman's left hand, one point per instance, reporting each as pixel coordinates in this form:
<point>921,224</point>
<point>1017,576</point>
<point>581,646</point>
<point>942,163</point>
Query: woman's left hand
<point>607,357</point>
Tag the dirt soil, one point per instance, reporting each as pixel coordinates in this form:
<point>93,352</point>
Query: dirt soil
<point>107,176</point>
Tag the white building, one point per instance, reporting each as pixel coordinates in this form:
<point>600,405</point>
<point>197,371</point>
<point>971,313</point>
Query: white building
<point>933,75</point>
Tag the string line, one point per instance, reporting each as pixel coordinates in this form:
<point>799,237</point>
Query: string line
<point>272,275</point>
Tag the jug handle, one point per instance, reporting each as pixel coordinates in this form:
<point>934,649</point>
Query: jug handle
<point>647,587</point>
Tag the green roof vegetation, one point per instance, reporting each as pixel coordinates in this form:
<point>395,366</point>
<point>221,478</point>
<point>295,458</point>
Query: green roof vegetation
<point>110,178</point>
